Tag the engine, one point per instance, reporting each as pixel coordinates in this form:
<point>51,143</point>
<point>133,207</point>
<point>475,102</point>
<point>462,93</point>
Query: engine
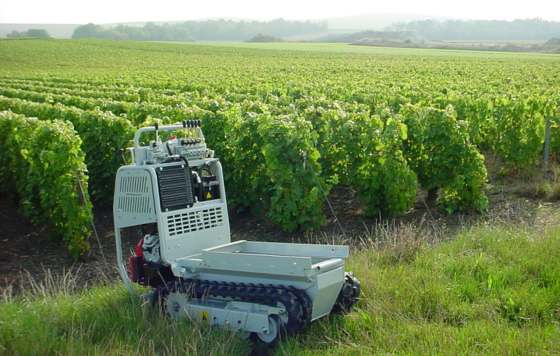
<point>150,249</point>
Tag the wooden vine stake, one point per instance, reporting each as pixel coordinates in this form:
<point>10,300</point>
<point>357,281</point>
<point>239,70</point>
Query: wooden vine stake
<point>546,146</point>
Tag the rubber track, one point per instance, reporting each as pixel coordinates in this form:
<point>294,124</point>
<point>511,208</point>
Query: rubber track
<point>296,301</point>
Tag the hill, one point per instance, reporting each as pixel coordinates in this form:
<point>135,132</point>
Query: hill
<point>373,21</point>
<point>497,30</point>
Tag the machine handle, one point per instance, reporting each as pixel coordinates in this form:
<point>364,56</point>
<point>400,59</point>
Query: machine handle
<point>185,124</point>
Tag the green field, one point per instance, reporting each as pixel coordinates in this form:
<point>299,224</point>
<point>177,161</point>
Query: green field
<point>367,118</point>
<point>491,291</point>
<point>293,123</point>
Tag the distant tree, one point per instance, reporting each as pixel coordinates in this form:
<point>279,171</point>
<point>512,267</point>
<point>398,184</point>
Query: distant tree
<point>14,34</point>
<point>88,31</point>
<point>552,45</point>
<point>264,38</point>
<point>37,33</point>
<point>31,33</point>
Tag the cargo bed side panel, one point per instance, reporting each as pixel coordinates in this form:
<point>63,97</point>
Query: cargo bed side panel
<point>255,263</point>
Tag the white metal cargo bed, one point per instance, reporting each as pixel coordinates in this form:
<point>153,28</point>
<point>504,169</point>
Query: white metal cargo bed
<point>273,258</point>
<point>318,269</point>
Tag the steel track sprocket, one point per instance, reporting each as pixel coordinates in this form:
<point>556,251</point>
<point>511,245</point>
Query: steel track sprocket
<point>349,294</point>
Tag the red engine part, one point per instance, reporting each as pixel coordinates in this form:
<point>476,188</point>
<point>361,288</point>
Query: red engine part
<point>136,264</point>
<point>138,248</point>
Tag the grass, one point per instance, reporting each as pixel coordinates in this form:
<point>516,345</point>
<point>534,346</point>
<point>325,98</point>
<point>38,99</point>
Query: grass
<point>103,320</point>
<point>489,291</point>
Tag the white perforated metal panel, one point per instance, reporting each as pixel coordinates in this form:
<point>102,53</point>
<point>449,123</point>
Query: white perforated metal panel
<point>189,231</point>
<point>191,221</point>
<point>135,195</point>
<point>134,201</point>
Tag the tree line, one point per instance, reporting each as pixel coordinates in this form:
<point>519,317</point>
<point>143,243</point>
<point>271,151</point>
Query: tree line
<point>528,29</point>
<point>210,30</point>
<point>31,33</point>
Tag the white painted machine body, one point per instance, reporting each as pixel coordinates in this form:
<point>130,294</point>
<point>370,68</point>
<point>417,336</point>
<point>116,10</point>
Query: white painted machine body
<point>178,186</point>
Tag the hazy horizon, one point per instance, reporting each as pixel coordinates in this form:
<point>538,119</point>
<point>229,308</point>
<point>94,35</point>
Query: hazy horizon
<point>106,12</point>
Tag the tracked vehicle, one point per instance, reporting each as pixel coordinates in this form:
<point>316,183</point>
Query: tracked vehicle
<point>174,191</point>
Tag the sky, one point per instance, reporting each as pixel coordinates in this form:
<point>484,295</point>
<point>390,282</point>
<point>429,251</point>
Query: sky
<point>111,11</point>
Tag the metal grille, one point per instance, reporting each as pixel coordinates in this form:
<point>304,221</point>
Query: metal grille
<point>134,184</point>
<point>135,204</point>
<point>175,190</point>
<point>135,196</point>
<point>194,221</point>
